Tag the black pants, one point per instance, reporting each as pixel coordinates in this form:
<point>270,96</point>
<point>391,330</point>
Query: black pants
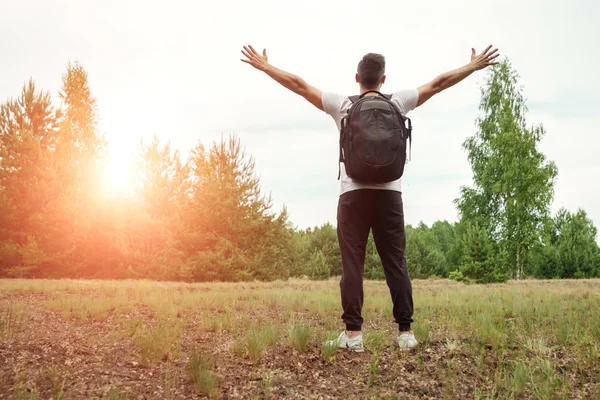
<point>359,211</point>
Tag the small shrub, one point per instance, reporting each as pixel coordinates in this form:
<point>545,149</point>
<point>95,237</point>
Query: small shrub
<point>376,341</point>
<point>452,345</point>
<point>457,276</point>
<point>10,320</point>
<point>374,371</point>
<point>270,335</point>
<point>299,337</point>
<point>329,349</point>
<point>200,371</point>
<point>256,343</point>
<point>521,375</point>
<point>155,343</point>
<point>421,332</point>
<point>238,347</point>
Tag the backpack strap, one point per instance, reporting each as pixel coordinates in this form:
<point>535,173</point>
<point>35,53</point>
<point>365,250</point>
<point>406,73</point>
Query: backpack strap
<point>409,138</point>
<point>341,159</point>
<point>387,96</point>
<point>354,99</point>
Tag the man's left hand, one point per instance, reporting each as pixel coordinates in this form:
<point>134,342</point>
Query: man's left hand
<point>255,59</point>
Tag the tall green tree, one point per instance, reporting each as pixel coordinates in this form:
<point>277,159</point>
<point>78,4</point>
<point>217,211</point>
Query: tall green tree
<point>482,259</point>
<point>29,134</point>
<point>47,151</point>
<point>92,244</point>
<point>162,179</point>
<point>154,227</point>
<point>232,233</point>
<point>80,137</point>
<point>513,181</point>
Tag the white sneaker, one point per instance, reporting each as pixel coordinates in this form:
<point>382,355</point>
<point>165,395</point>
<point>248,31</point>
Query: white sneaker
<point>407,341</point>
<point>344,342</point>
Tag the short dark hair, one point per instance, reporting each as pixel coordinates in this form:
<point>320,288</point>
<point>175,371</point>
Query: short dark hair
<point>370,70</point>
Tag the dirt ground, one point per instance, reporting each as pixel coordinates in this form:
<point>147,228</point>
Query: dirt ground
<point>50,356</point>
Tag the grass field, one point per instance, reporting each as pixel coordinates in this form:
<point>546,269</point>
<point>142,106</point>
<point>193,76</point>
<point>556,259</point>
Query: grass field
<point>140,339</point>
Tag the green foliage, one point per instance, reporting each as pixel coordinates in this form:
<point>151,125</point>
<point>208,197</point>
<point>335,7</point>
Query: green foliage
<point>255,343</point>
<point>201,220</point>
<point>231,233</point>
<point>299,336</point>
<point>373,266</point>
<point>321,239</point>
<point>483,261</point>
<point>457,276</point>
<point>513,181</point>
<point>329,350</point>
<point>200,370</point>
<point>428,249</point>
<point>29,179</point>
<point>317,267</point>
<point>569,248</point>
<point>154,343</point>
<point>30,257</point>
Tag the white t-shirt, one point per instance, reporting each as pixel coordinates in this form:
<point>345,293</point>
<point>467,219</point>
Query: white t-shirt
<point>337,106</point>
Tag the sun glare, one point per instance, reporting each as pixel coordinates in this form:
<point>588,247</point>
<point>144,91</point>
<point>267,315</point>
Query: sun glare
<point>117,176</point>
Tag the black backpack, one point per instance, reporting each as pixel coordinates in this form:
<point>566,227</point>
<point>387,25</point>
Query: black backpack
<point>373,139</point>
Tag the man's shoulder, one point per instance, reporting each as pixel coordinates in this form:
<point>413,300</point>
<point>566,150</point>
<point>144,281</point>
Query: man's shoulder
<point>406,99</point>
<point>334,103</point>
<point>334,97</point>
<point>405,93</point>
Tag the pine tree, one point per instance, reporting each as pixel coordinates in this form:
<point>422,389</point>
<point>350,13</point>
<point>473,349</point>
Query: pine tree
<point>28,179</point>
<point>232,232</point>
<point>318,268</point>
<point>482,260</point>
<point>93,244</point>
<point>154,227</point>
<point>162,179</point>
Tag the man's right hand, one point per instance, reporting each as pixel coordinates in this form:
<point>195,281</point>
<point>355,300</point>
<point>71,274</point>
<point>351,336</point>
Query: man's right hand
<point>480,61</point>
<point>286,79</point>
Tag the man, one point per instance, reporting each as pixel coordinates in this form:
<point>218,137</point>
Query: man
<point>363,207</point>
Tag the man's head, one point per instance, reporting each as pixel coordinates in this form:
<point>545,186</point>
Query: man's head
<point>371,71</point>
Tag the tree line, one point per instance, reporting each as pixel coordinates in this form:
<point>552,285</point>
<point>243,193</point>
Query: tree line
<point>567,248</point>
<point>200,220</point>
<point>206,218</point>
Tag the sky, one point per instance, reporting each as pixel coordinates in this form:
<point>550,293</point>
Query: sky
<point>172,69</point>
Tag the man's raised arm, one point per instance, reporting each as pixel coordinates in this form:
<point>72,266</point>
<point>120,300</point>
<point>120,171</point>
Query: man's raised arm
<point>451,78</point>
<point>288,80</point>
